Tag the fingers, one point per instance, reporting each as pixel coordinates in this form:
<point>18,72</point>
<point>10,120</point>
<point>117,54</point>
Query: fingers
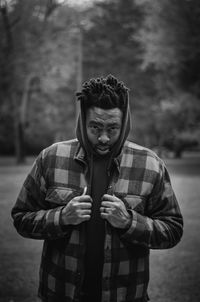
<point>85,212</point>
<point>76,204</point>
<point>107,208</point>
<point>85,218</point>
<point>83,205</point>
<point>108,204</point>
<point>105,213</point>
<point>104,210</point>
<point>84,191</point>
<point>83,198</point>
<point>111,198</point>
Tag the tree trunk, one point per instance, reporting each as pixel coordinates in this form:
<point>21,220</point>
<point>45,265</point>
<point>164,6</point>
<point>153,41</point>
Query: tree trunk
<point>79,76</point>
<point>18,126</point>
<point>178,152</point>
<point>19,143</point>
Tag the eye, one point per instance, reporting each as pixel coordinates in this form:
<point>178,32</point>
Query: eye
<point>112,129</point>
<point>94,127</point>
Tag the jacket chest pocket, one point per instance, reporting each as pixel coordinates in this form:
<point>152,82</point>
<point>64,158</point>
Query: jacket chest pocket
<point>135,202</point>
<point>59,196</point>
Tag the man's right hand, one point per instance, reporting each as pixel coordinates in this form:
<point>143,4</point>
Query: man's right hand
<point>77,210</point>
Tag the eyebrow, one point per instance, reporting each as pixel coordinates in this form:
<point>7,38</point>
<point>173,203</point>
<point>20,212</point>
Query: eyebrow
<point>100,124</point>
<point>95,122</point>
<point>113,124</point>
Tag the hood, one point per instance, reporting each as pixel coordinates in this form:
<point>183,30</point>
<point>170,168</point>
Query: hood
<point>117,147</point>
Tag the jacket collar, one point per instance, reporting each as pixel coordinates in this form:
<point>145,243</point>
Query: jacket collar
<point>81,156</point>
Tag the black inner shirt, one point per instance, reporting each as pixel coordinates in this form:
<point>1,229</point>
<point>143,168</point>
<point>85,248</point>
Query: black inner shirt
<point>95,233</point>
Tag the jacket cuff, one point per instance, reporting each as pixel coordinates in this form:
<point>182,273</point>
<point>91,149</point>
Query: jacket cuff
<point>137,232</point>
<point>55,227</point>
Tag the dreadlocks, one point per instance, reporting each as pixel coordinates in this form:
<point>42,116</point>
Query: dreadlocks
<point>106,93</point>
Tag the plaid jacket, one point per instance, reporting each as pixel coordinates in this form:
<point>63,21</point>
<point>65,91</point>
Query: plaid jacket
<point>140,180</point>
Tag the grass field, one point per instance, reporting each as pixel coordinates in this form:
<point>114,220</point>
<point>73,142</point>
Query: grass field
<point>175,273</point>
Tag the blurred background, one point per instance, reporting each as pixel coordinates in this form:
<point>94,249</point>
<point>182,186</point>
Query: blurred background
<point>48,48</point>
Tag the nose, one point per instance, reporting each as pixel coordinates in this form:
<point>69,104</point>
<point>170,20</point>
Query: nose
<point>104,138</point>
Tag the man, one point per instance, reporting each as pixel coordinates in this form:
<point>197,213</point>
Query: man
<point>100,203</point>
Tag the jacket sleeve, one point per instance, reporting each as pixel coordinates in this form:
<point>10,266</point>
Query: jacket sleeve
<point>162,225</point>
<point>31,216</point>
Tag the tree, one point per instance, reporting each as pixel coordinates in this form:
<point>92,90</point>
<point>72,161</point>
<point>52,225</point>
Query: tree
<point>110,44</point>
<point>170,38</point>
<point>43,48</point>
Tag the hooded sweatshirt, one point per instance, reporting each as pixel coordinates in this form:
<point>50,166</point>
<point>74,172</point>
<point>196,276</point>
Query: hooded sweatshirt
<point>99,174</point>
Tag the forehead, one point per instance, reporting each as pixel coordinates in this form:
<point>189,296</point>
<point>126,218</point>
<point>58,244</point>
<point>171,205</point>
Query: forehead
<point>104,115</point>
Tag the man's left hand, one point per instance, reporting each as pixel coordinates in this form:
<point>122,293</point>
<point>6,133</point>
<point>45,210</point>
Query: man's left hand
<point>114,211</point>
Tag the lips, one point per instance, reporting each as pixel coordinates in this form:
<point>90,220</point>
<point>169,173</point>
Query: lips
<point>102,149</point>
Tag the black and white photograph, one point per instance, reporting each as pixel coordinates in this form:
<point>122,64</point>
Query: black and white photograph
<point>99,150</point>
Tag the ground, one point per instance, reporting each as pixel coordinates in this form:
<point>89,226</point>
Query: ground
<point>175,273</point>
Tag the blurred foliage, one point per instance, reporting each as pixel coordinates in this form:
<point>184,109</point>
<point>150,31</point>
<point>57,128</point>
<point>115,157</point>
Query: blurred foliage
<point>48,48</point>
<point>38,56</point>
<point>170,37</point>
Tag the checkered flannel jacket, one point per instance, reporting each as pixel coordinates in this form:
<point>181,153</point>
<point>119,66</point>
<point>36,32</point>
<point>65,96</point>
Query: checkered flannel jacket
<point>140,180</point>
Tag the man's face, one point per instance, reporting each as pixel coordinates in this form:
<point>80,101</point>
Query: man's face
<point>103,128</point>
